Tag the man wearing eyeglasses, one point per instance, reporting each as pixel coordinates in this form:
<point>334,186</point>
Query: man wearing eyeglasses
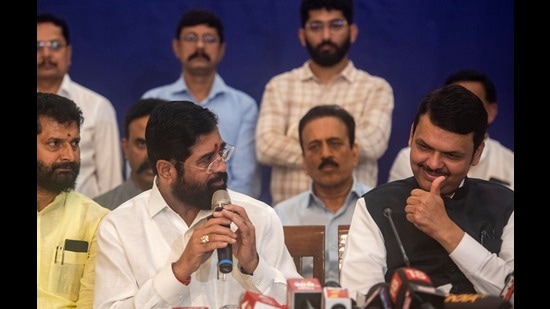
<point>101,158</point>
<point>328,77</point>
<point>199,44</point>
<point>158,249</point>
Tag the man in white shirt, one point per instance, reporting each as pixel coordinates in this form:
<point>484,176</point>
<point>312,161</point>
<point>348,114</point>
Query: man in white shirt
<point>497,161</point>
<point>101,158</point>
<point>158,249</point>
<point>458,230</point>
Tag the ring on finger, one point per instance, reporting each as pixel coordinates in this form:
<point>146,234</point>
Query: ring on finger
<point>205,239</point>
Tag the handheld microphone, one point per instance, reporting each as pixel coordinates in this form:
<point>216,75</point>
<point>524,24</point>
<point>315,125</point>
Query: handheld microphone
<point>412,289</point>
<point>221,198</point>
<point>387,213</point>
<point>378,297</point>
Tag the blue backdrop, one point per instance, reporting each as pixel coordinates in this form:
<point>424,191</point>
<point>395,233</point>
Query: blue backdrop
<point>123,48</point>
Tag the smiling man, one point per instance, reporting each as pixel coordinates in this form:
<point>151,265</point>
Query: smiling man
<point>456,229</point>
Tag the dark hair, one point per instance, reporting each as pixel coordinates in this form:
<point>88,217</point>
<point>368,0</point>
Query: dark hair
<point>58,21</point>
<point>475,76</point>
<point>455,109</point>
<point>329,110</point>
<point>56,107</point>
<point>346,6</point>
<point>195,17</point>
<point>174,128</point>
<point>142,107</point>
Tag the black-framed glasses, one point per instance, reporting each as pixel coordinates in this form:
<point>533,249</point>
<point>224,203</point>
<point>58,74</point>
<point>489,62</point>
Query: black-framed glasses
<point>206,38</point>
<point>54,45</point>
<point>223,155</point>
<point>334,25</point>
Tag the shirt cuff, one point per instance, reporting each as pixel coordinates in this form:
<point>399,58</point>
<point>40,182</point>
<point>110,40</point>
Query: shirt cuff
<point>167,285</point>
<point>469,255</point>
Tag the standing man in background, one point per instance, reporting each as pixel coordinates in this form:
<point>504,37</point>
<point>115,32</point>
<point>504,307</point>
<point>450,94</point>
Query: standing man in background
<point>101,159</point>
<point>135,152</point>
<point>199,44</point>
<point>330,155</point>
<point>327,31</point>
<point>497,161</point>
<point>67,221</point>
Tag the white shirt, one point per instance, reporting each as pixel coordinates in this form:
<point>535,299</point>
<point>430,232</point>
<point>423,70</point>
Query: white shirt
<point>100,153</point>
<point>496,163</point>
<point>139,240</point>
<point>364,260</point>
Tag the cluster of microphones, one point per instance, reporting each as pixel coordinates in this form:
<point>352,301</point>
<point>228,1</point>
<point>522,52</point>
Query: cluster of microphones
<point>409,288</point>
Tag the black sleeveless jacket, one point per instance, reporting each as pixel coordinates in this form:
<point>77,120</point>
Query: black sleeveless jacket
<point>481,208</point>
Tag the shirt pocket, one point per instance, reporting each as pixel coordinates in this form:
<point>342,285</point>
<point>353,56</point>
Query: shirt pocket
<point>66,272</point>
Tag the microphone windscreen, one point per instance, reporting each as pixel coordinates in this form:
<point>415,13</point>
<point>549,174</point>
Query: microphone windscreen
<point>252,300</point>
<point>219,199</point>
<point>378,296</point>
<point>335,298</point>
<point>412,288</point>
<point>475,301</point>
<point>332,283</point>
<point>304,293</point>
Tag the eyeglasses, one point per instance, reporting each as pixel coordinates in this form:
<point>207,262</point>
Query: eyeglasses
<point>192,37</point>
<point>223,155</point>
<point>334,25</point>
<point>53,45</point>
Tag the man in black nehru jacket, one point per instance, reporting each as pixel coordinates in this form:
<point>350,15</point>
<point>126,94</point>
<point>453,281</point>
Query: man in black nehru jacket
<point>456,229</point>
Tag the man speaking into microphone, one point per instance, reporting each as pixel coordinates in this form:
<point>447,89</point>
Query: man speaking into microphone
<point>189,241</point>
<point>458,230</point>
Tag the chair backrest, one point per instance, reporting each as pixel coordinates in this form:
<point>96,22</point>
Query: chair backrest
<point>307,241</point>
<point>342,236</point>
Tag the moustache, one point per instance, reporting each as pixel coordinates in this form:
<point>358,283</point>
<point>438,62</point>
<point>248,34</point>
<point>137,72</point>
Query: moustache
<point>326,43</point>
<point>143,167</point>
<point>437,172</point>
<point>198,54</point>
<point>73,166</point>
<point>47,62</point>
<point>328,162</point>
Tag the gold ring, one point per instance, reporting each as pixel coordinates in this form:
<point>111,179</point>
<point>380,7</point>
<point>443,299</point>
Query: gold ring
<point>205,239</point>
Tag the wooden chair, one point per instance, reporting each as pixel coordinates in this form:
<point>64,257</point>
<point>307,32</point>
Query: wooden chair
<point>342,236</point>
<point>307,241</point>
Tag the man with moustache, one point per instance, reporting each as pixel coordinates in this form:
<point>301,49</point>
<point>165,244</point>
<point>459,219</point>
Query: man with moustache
<point>67,221</point>
<point>135,152</point>
<point>158,250</point>
<point>199,44</point>
<point>101,160</point>
<point>329,76</point>
<point>456,229</point>
<point>330,154</point>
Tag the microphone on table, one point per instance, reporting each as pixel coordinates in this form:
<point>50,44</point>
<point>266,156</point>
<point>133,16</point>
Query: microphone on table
<point>412,289</point>
<point>475,301</point>
<point>304,293</point>
<point>378,297</point>
<point>387,213</point>
<point>221,198</point>
<point>335,296</point>
<point>507,292</point>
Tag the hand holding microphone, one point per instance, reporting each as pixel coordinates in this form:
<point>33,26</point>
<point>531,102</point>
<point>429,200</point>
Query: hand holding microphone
<point>221,198</point>
<point>244,246</point>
